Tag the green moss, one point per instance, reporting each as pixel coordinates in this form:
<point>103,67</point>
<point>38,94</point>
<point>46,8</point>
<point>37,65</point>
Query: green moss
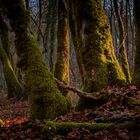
<point>44,97</point>
<point>99,59</point>
<point>45,100</point>
<point>63,128</point>
<point>101,67</point>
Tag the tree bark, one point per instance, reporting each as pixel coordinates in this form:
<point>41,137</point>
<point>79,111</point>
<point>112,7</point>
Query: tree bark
<point>101,67</point>
<point>75,27</point>
<point>136,77</point>
<point>122,50</point>
<point>13,85</point>
<point>45,100</point>
<point>63,53</point>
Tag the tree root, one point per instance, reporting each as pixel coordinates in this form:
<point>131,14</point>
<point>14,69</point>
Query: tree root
<point>92,96</point>
<point>96,96</point>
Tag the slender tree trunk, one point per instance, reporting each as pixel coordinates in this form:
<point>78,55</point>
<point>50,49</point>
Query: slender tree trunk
<point>63,53</point>
<point>53,35</point>
<point>136,78</point>
<point>47,31</point>
<point>4,34</point>
<point>13,85</point>
<point>122,51</point>
<point>75,27</point>
<point>45,100</point>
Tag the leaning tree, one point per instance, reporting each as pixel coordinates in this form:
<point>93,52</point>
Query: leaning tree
<point>45,100</point>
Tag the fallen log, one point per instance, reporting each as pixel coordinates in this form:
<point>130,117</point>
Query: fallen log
<point>64,128</point>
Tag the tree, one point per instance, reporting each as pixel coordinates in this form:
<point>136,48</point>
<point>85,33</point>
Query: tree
<point>63,53</point>
<point>75,28</point>
<point>101,68</point>
<point>136,78</point>
<point>53,30</point>
<point>45,100</point>
<point>122,51</point>
<point>13,85</point>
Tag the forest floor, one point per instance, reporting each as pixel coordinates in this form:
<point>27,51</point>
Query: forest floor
<point>15,125</point>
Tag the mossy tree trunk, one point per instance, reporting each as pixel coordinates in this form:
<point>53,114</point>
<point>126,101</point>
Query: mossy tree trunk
<point>13,85</point>
<point>101,67</point>
<point>45,100</point>
<point>63,53</point>
<point>136,78</point>
<point>100,63</point>
<point>122,50</point>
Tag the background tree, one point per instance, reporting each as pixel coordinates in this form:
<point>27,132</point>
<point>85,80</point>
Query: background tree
<point>122,37</point>
<point>136,77</point>
<point>13,86</point>
<point>63,50</point>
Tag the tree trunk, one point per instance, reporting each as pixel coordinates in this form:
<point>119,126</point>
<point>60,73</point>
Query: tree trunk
<point>4,34</point>
<point>122,51</point>
<point>63,54</point>
<point>13,85</point>
<point>100,63</point>
<point>45,100</point>
<point>136,78</point>
<point>75,27</point>
<point>53,35</point>
<point>101,67</point>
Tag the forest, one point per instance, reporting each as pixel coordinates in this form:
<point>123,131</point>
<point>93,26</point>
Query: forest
<point>69,70</point>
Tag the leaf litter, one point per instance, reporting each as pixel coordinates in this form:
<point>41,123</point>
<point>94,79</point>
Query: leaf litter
<point>16,125</point>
